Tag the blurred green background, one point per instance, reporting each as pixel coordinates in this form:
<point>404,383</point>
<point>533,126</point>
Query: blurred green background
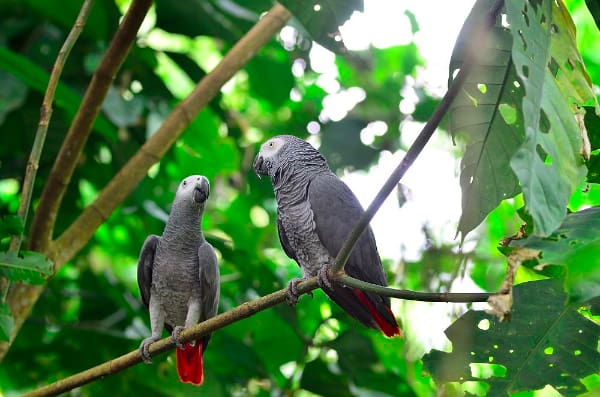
<point>91,310</point>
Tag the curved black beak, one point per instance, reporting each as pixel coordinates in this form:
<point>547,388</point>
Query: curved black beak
<point>259,165</point>
<point>201,190</point>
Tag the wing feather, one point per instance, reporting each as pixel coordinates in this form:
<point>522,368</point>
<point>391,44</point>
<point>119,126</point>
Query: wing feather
<point>335,213</point>
<point>145,265</point>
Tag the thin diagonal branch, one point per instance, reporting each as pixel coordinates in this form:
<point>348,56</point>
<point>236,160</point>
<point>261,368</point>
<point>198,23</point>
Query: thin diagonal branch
<point>126,180</point>
<point>64,166</point>
<point>417,146</point>
<point>40,135</point>
<point>23,297</point>
<point>240,312</point>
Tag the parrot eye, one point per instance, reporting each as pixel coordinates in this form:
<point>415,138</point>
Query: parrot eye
<point>184,183</point>
<point>271,144</point>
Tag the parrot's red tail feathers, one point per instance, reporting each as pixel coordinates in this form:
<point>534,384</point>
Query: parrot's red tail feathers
<point>189,363</point>
<point>388,329</point>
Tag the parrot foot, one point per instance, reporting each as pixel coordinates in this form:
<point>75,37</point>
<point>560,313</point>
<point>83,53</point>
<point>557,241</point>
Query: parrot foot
<point>323,278</point>
<point>292,291</point>
<point>175,335</point>
<point>144,349</point>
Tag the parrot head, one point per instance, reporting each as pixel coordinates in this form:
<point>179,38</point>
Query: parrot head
<point>195,187</point>
<point>282,152</point>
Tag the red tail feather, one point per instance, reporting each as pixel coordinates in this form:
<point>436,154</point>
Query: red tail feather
<point>387,328</point>
<point>189,363</point>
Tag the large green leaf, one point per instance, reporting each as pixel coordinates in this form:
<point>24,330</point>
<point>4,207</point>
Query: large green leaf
<point>545,343</point>
<point>574,245</point>
<point>548,164</point>
<point>487,114</point>
<point>28,267</point>
<point>37,79</point>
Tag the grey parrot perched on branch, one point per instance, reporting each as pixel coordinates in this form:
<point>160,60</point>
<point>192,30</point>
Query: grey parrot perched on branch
<point>316,212</point>
<point>178,277</point>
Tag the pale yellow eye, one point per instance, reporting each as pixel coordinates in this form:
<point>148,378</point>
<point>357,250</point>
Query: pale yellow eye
<point>271,144</point>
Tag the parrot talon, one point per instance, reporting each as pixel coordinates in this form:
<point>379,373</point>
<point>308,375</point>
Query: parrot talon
<point>175,335</point>
<point>323,278</point>
<point>144,349</point>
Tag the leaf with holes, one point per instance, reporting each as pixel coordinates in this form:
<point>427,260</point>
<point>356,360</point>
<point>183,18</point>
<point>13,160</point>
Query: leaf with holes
<point>28,267</point>
<point>487,114</point>
<point>548,164</point>
<point>571,250</point>
<point>545,343</point>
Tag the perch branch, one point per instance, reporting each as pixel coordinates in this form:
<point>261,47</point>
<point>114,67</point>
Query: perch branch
<point>42,227</point>
<point>238,313</point>
<point>418,145</point>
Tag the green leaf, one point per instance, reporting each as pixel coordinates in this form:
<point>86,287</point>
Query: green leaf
<point>10,225</point>
<point>318,378</point>
<point>594,7</point>
<point>342,147</point>
<point>545,343</point>
<point>548,164</point>
<point>321,18</point>
<point>270,77</point>
<point>487,114</point>
<point>359,362</point>
<point>574,245</point>
<point>28,267</point>
<point>6,321</point>
<point>37,79</point>
<point>12,94</point>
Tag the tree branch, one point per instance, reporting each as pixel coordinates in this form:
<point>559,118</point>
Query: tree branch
<point>38,144</point>
<point>126,180</point>
<point>240,312</point>
<point>405,294</point>
<point>66,160</point>
<point>417,146</point>
<point>23,297</point>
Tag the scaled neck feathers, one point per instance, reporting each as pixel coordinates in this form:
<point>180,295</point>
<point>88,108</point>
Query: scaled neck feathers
<point>292,177</point>
<point>184,223</point>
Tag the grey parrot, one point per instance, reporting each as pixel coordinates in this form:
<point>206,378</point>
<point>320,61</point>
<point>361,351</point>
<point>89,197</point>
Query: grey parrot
<point>178,277</point>
<point>315,213</point>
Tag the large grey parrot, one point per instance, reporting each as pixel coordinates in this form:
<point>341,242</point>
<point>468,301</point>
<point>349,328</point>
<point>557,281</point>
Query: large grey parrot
<point>315,213</point>
<point>178,277</point>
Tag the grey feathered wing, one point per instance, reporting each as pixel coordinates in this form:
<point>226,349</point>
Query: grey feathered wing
<point>335,212</point>
<point>145,265</point>
<point>209,284</point>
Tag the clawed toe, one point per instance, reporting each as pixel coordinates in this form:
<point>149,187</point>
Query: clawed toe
<point>323,278</point>
<point>175,335</point>
<point>145,351</point>
<point>292,291</point>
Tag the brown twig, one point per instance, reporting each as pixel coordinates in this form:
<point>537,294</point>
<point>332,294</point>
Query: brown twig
<point>42,227</point>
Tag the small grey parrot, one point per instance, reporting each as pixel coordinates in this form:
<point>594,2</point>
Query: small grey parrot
<point>178,277</point>
<point>316,212</point>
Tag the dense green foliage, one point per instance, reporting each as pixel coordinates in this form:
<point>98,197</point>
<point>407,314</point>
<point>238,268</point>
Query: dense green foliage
<point>513,122</point>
